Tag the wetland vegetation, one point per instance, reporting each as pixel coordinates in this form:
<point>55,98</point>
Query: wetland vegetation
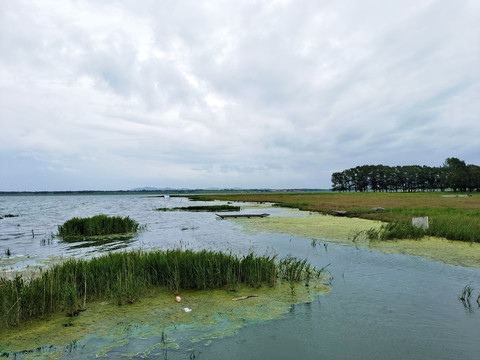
<point>450,217</point>
<point>124,276</point>
<point>97,225</point>
<point>387,308</point>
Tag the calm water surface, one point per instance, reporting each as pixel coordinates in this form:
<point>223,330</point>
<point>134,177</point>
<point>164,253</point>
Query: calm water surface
<point>382,306</point>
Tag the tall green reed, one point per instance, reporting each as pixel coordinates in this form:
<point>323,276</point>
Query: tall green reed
<point>97,225</point>
<point>124,276</point>
<point>396,230</point>
<point>449,223</point>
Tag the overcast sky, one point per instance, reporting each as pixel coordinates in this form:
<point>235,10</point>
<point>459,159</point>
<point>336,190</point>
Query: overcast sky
<point>112,95</point>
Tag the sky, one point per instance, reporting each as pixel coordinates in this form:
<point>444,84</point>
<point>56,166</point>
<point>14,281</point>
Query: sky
<point>114,95</point>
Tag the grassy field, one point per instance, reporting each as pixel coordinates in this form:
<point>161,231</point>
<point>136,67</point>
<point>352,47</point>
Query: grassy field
<point>450,216</point>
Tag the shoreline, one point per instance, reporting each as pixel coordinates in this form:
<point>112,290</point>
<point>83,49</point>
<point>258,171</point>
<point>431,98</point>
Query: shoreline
<point>348,231</point>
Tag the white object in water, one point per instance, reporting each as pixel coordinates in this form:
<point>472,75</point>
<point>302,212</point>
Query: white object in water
<point>187,309</point>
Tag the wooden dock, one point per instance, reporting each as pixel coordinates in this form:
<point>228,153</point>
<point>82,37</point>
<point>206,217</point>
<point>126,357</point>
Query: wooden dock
<point>226,216</point>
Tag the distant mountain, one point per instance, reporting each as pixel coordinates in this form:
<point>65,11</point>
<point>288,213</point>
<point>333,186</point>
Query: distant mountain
<point>150,188</point>
<point>146,188</point>
<point>234,189</point>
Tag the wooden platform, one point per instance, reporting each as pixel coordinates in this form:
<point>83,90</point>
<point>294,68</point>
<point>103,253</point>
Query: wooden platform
<point>225,216</point>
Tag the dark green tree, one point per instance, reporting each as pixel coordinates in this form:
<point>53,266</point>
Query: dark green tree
<point>457,174</point>
<point>454,175</point>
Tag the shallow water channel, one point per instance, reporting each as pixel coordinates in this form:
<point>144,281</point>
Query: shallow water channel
<point>381,306</point>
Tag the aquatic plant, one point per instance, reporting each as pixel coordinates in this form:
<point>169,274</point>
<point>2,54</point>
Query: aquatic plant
<point>210,208</point>
<point>293,270</point>
<point>97,225</point>
<point>466,294</point>
<point>164,345</point>
<point>125,276</point>
<point>395,230</point>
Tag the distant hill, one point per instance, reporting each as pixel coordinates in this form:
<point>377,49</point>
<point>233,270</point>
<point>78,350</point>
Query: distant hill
<point>150,188</point>
<point>158,190</point>
<point>145,188</point>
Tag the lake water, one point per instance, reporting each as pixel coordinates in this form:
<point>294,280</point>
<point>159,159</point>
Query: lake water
<point>381,306</point>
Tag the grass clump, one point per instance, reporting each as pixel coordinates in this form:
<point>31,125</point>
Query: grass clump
<point>396,230</point>
<point>294,270</point>
<point>211,208</point>
<point>124,276</point>
<point>97,226</point>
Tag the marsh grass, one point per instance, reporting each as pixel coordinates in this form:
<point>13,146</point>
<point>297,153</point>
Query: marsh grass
<point>210,208</point>
<point>456,224</point>
<point>395,230</point>
<point>98,225</point>
<point>452,224</point>
<point>454,218</point>
<point>124,276</point>
<point>294,270</point>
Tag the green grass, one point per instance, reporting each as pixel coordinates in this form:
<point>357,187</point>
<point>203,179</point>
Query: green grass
<point>98,225</point>
<point>449,223</point>
<point>125,276</point>
<point>454,218</point>
<point>211,208</point>
<point>396,230</point>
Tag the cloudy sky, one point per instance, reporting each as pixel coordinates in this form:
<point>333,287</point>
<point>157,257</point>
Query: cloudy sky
<point>255,94</point>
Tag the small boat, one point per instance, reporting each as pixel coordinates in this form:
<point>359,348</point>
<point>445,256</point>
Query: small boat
<point>225,216</point>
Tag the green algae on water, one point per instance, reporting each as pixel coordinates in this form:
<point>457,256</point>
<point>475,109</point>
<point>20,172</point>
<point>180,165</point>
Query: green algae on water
<point>346,230</point>
<point>213,315</point>
<point>313,226</point>
<point>125,276</point>
<point>157,277</point>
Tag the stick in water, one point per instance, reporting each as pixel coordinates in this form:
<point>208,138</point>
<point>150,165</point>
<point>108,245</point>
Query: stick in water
<point>244,297</point>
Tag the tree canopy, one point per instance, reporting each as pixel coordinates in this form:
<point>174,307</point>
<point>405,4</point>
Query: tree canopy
<point>453,175</point>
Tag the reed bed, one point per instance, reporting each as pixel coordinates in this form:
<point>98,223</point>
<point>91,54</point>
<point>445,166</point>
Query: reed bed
<point>98,225</point>
<point>124,276</point>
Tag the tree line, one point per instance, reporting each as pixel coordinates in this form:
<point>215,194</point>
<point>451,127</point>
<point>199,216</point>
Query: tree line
<point>453,175</point>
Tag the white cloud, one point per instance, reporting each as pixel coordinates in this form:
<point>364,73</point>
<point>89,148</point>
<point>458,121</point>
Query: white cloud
<point>252,94</point>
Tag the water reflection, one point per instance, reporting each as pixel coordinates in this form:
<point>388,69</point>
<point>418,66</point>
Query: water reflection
<point>110,242</point>
<point>382,306</point>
